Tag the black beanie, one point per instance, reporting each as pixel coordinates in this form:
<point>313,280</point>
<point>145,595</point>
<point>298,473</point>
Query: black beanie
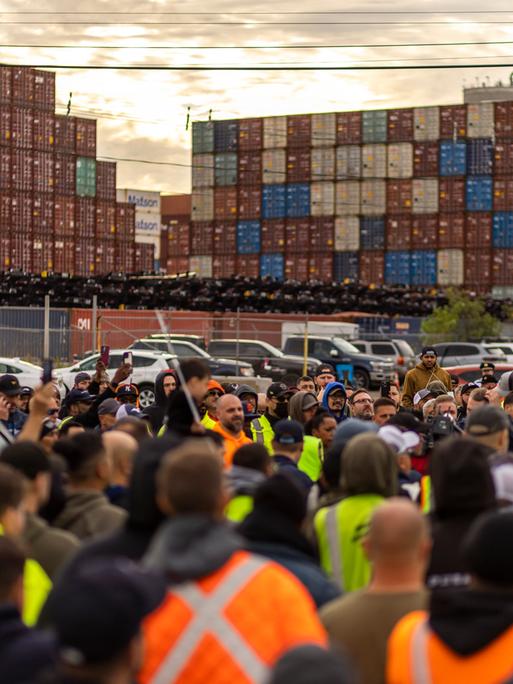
<point>280,494</point>
<point>487,548</point>
<point>310,663</point>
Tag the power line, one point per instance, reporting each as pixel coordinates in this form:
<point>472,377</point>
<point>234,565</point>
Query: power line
<point>247,23</point>
<point>275,12</point>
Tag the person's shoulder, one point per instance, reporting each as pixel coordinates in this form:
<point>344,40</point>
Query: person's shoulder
<point>342,607</point>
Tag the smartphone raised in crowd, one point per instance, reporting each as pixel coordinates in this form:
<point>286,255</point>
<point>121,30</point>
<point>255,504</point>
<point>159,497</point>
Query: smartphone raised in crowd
<point>127,358</point>
<point>105,355</point>
<point>47,371</point>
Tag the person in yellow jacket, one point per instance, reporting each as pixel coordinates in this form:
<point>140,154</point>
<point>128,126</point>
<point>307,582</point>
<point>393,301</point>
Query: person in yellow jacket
<point>302,407</point>
<point>426,371</point>
<point>36,583</point>
<point>277,400</point>
<point>214,392</point>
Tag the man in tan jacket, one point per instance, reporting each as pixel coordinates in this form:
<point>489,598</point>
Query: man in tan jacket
<point>424,372</point>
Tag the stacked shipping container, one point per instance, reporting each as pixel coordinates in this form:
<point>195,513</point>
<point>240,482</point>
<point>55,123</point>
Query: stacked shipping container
<point>419,196</point>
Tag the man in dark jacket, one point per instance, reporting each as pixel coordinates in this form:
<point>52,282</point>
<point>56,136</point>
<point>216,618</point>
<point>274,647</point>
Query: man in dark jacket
<point>10,389</point>
<point>288,444</point>
<point>165,385</point>
<point>334,400</point>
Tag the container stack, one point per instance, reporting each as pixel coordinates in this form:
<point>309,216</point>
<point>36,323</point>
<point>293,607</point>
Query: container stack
<point>58,209</point>
<point>420,196</point>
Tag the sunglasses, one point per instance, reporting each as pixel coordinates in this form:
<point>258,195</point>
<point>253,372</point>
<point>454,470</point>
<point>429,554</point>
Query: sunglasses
<point>52,412</point>
<point>214,393</point>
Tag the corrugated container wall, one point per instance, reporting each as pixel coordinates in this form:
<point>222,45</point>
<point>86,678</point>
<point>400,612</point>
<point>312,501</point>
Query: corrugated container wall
<point>374,127</point>
<point>426,123</point>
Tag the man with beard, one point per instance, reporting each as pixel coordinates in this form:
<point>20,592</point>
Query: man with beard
<point>230,426</point>
<point>334,400</point>
<point>424,373</point>
<point>362,405</point>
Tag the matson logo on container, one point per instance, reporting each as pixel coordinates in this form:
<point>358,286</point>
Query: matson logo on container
<point>147,224</point>
<point>143,200</point>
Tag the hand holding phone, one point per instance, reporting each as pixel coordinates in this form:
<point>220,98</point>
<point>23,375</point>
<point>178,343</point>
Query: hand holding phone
<point>105,355</point>
<point>127,358</point>
<point>47,371</point>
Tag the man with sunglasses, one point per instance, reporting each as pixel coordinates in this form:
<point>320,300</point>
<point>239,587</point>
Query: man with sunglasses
<point>426,371</point>
<point>277,408</point>
<point>214,392</point>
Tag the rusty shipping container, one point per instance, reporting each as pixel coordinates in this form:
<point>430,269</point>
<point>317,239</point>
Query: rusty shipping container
<point>452,194</point>
<point>144,257</point>
<point>425,159</point>
<point>503,193</point>
<point>478,229</point>
<point>398,232</point>
<point>176,265</point>
<point>5,169</point>
<point>503,157</point>
<point>202,237</point>
<point>5,212</point>
<point>503,120</point>
<point>85,218</point>
<point>372,267</point>
<point>85,255</point>
<point>6,85</point>
<point>399,196</point>
<point>22,168</point>
<point>63,257</point>
<point>85,137</point>
<point>272,236</point>
<point>44,91</point>
<point>43,208</point>
<point>249,202</point>
<point>502,266</point>
<point>296,267</point>
<point>250,134</point>
<point>105,261</point>
<point>21,252</point>
<point>105,220</point>
<point>297,236</point>
<point>400,125</point>
<point>320,267</point>
<point>248,265</point>
<point>299,130</point>
<point>21,213</point>
<point>5,125</point>
<point>249,168</point>
<point>65,173</point>
<point>225,238</point>
<point>224,266</point>
<point>125,221</point>
<point>451,231</point>
<point>298,166</point>
<point>64,217</point>
<point>322,234</point>
<point>106,181</point>
<point>65,134</point>
<point>22,127</point>
<point>42,254</point>
<point>453,122</point>
<point>225,203</point>
<point>23,86</point>
<point>5,251</point>
<point>43,130</point>
<point>478,269</point>
<point>424,231</point>
<point>43,172</point>
<point>349,128</point>
<point>178,239</point>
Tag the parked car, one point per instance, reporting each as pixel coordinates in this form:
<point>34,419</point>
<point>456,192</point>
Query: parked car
<point>367,370</point>
<point>398,351</point>
<point>198,340</point>
<point>187,350</point>
<point>467,353</point>
<point>147,365</point>
<point>505,347</point>
<point>27,373</point>
<point>267,361</point>
<point>472,373</point>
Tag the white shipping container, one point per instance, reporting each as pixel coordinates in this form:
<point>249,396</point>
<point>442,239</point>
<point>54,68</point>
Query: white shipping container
<point>324,130</point>
<point>322,199</point>
<point>480,120</point>
<point>202,170</point>
<point>323,163</point>
<point>202,205</point>
<point>450,267</point>
<point>374,161</point>
<point>425,195</point>
<point>373,197</point>
<point>147,223</point>
<point>275,131</point>
<point>347,234</point>
<point>400,160</point>
<point>274,166</point>
<point>150,240</point>
<point>426,122</point>
<point>347,198</point>
<point>143,200</point>
<point>201,265</point>
<point>349,161</point>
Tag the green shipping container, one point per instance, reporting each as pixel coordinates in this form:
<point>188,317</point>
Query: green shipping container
<point>86,177</point>
<point>374,126</point>
<point>202,137</point>
<point>225,169</point>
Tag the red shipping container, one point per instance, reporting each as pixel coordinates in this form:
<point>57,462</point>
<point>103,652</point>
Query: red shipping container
<point>453,122</point>
<point>250,202</point>
<point>42,254</point>
<point>42,217</point>
<point>44,172</point>
<point>23,86</point>
<point>43,130</point>
<point>296,267</point>
<point>451,194</point>
<point>320,267</point>
<point>250,134</point>
<point>85,253</point>
<point>6,85</point>
<point>5,212</point>
<point>105,257</point>
<point>177,265</point>
<point>125,256</point>
<point>85,137</point>
<point>64,217</point>
<point>248,265</point>
<point>398,232</point>
<point>400,125</point>
<point>21,213</point>
<point>21,252</point>
<point>225,238</point>
<point>478,229</point>
<point>250,168</point>
<point>44,90</point>
<point>372,267</point>
<point>299,130</point>
<point>224,266</point>
<point>297,236</point>
<point>178,239</point>
<point>298,166</point>
<point>425,159</point>
<point>225,204</point>
<point>125,221</point>
<point>202,238</point>
<point>5,125</point>
<point>5,169</point>
<point>106,180</point>
<point>478,269</point>
<point>22,127</point>
<point>65,134</point>
<point>322,234</point>
<point>399,196</point>
<point>349,128</point>
<point>451,231</point>
<point>144,257</point>
<point>22,166</point>
<point>502,266</point>
<point>272,236</point>
<point>503,157</point>
<point>105,220</point>
<point>85,218</point>
<point>503,193</point>
<point>63,256</point>
<point>503,119</point>
<point>64,172</point>
<point>424,231</point>
<point>5,252</point>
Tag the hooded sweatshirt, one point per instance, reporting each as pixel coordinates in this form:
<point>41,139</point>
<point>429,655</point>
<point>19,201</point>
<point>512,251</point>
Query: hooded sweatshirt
<point>88,513</point>
<point>312,455</point>
<point>246,389</point>
<point>157,411</point>
<point>419,378</point>
<point>331,387</point>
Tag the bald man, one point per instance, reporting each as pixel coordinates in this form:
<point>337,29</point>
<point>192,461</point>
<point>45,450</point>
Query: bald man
<point>230,415</point>
<point>398,545</point>
<point>120,448</point>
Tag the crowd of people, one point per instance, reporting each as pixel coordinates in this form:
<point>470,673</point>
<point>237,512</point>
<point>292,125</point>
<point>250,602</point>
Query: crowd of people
<point>252,295</point>
<point>312,533</point>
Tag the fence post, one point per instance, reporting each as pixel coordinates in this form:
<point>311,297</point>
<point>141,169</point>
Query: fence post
<point>237,350</point>
<point>46,333</point>
<point>94,322</point>
<point>305,347</point>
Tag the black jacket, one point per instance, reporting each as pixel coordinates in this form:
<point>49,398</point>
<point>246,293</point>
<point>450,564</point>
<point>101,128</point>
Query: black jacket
<point>157,412</point>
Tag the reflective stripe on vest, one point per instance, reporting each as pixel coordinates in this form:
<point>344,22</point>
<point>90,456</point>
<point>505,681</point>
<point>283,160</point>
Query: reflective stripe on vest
<point>208,617</point>
<point>259,430</point>
<point>419,658</point>
<point>334,547</point>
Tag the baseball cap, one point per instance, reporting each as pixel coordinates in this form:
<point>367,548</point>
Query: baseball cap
<point>401,442</point>
<point>9,385</point>
<point>436,388</point>
<point>486,421</point>
<point>79,395</point>
<point>26,391</point>
<point>98,608</point>
<point>325,368</point>
<point>214,385</point>
<point>108,406</point>
<point>82,377</point>
<point>288,432</point>
<point>488,378</point>
<point>468,387</point>
<point>277,389</point>
<point>487,365</point>
<point>420,395</point>
<point>428,350</point>
<point>128,411</point>
<point>309,401</point>
<point>127,390</point>
<point>504,387</point>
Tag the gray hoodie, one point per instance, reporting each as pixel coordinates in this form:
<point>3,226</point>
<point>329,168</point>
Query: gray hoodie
<point>88,513</point>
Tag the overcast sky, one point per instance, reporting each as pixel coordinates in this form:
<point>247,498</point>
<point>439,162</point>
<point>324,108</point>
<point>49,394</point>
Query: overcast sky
<point>152,106</point>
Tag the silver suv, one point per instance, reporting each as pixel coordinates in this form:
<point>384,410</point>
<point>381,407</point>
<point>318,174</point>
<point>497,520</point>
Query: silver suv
<point>398,351</point>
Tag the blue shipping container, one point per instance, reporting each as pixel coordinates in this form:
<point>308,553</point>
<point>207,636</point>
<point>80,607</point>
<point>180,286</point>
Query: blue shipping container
<point>345,265</point>
<point>453,158</point>
<point>480,157</point>
<point>479,192</point>
<point>423,267</point>
<point>298,200</point>
<point>397,268</point>
<point>372,232</point>
<point>503,229</point>
<point>274,201</point>
<point>226,136</point>
<point>248,237</point>
<point>272,265</point>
